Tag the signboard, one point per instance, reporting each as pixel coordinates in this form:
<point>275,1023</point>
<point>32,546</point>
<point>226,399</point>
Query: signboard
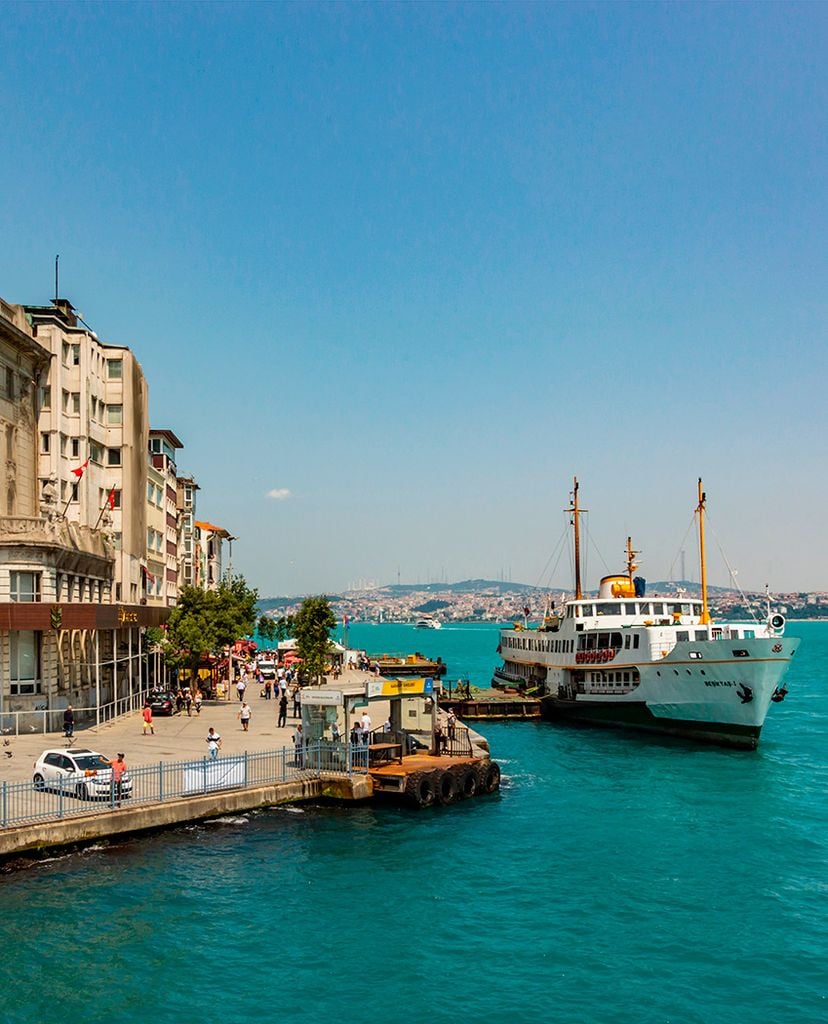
<point>206,775</point>
<point>417,687</point>
<point>321,698</point>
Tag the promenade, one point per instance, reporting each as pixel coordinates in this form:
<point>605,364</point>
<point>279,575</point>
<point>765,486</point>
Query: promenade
<point>177,737</point>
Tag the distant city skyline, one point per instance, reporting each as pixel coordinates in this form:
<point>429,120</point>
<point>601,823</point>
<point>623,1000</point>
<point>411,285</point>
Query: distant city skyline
<point>396,273</point>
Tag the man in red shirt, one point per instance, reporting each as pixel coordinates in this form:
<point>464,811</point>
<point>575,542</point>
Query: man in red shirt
<point>119,768</point>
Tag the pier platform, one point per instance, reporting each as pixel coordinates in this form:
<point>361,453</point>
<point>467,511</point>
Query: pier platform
<point>491,705</point>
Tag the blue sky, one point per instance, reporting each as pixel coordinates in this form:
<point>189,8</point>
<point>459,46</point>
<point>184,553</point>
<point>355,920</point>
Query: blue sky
<point>418,265</point>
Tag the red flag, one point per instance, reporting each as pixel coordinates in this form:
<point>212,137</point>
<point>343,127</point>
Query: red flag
<point>79,471</point>
<point>111,498</point>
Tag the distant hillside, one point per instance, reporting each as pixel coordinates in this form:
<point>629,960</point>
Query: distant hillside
<point>462,587</point>
<point>275,604</point>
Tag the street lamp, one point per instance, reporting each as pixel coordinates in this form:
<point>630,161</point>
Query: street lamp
<point>230,538</point>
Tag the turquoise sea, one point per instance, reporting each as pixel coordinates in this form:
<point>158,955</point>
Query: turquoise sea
<point>614,879</point>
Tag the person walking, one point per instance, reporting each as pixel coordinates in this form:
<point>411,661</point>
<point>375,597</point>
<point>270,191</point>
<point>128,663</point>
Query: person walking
<point>282,719</point>
<point>244,715</point>
<point>146,714</point>
<point>366,727</point>
<point>296,693</point>
<point>241,686</point>
<point>69,722</point>
<point>213,743</point>
<point>451,723</point>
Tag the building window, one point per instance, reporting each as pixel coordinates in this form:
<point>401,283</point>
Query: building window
<point>116,498</point>
<point>24,661</point>
<point>155,445</point>
<point>113,456</point>
<point>25,586</point>
<point>114,415</point>
<point>10,443</point>
<point>114,369</point>
<point>95,452</point>
<point>76,355</point>
<point>116,543</point>
<point>44,443</point>
<point>46,398</point>
<point>75,448</point>
<point>76,403</point>
<point>74,492</point>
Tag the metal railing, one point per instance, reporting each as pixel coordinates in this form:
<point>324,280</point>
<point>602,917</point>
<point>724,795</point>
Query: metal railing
<point>23,803</point>
<point>455,741</point>
<point>43,719</point>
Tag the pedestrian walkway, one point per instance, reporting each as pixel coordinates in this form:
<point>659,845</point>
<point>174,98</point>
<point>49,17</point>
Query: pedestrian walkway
<point>177,737</point>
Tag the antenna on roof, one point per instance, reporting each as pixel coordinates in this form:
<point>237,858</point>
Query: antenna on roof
<point>57,290</point>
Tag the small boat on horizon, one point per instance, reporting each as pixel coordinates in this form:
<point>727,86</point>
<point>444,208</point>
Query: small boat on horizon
<point>429,622</point>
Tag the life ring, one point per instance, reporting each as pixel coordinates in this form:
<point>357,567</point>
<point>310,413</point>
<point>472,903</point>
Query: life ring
<point>420,790</point>
<point>491,780</point>
<point>446,787</point>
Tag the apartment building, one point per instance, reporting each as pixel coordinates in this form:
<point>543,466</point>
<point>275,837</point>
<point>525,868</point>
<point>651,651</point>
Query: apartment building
<point>210,539</point>
<point>163,518</point>
<point>72,542</point>
<point>189,562</point>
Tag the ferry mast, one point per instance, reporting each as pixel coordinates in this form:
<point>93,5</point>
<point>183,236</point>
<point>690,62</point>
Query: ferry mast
<point>575,511</point>
<point>705,615</point>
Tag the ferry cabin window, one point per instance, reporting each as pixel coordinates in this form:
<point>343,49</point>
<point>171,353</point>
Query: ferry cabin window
<point>645,609</point>
<point>635,641</point>
<point>627,642</point>
<point>607,609</point>
<point>682,634</point>
<point>701,634</point>
<point>658,609</point>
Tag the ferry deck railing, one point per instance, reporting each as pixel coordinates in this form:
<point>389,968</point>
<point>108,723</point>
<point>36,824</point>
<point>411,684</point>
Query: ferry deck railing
<point>23,803</point>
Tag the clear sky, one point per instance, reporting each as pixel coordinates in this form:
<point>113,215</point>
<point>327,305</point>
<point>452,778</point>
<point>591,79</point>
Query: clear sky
<point>396,273</point>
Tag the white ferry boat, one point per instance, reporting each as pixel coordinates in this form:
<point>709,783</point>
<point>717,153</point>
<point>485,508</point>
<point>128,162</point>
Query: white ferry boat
<point>429,622</point>
<point>625,659</point>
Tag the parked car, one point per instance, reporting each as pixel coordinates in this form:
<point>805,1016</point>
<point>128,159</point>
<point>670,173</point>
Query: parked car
<point>162,702</point>
<point>85,773</point>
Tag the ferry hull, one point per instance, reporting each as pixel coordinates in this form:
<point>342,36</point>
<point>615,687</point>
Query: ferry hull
<point>637,716</point>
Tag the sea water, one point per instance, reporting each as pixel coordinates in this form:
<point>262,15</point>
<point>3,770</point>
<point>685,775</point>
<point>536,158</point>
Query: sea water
<point>615,878</point>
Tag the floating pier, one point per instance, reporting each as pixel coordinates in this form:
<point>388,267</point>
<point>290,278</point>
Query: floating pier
<point>492,705</point>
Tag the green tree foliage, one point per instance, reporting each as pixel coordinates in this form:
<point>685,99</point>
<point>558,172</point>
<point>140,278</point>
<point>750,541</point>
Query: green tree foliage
<point>205,621</point>
<point>312,627</point>
<point>267,629</point>
<point>284,628</point>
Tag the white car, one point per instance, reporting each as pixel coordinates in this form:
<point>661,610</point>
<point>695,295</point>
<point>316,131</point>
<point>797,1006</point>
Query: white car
<point>84,773</point>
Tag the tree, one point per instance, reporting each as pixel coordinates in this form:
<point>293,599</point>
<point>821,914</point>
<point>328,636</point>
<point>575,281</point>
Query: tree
<point>205,621</point>
<point>312,627</point>
<point>267,628</point>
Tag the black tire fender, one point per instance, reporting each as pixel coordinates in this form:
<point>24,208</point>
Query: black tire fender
<point>446,787</point>
<point>491,781</point>
<point>420,789</point>
<point>467,784</point>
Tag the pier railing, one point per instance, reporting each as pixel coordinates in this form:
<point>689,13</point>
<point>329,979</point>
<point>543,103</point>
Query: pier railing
<point>22,803</point>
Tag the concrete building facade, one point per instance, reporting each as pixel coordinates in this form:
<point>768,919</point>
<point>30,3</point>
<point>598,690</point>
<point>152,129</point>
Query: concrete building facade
<point>74,420</point>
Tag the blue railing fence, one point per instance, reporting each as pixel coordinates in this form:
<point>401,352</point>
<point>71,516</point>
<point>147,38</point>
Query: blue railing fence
<point>27,802</point>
